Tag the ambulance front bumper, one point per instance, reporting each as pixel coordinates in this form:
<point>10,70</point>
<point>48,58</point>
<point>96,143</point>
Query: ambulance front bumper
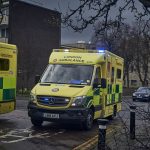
<point>73,115</point>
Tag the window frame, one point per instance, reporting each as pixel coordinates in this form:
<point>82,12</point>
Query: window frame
<point>119,73</point>
<point>3,65</point>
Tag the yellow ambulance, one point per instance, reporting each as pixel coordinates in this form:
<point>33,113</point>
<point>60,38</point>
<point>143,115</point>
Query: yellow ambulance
<point>78,86</point>
<point>8,71</point>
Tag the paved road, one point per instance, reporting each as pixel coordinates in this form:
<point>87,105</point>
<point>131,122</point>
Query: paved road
<point>16,132</point>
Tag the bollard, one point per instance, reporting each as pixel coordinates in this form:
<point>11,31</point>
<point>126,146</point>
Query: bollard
<point>132,122</point>
<point>102,133</point>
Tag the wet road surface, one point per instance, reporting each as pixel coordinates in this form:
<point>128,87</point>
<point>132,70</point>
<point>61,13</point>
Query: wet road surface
<point>17,132</point>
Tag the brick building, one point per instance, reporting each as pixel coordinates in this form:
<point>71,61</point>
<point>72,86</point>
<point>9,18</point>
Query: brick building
<point>36,31</point>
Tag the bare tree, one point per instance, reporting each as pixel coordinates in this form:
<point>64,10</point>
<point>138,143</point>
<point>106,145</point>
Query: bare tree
<point>117,41</point>
<point>142,50</point>
<point>130,42</point>
<point>109,37</point>
<point>88,12</point>
<point>126,50</point>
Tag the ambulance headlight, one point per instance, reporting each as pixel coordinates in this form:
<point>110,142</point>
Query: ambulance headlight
<point>32,97</point>
<point>79,101</point>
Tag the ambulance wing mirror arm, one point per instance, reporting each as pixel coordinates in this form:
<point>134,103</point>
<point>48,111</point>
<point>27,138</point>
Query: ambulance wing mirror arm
<point>103,83</point>
<point>37,78</point>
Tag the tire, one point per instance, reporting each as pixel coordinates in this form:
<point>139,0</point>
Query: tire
<point>36,122</point>
<point>88,123</point>
<point>111,117</point>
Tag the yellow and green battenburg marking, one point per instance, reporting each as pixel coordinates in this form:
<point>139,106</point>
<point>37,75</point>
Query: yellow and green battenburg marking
<point>94,97</point>
<point>7,88</point>
<point>113,96</point>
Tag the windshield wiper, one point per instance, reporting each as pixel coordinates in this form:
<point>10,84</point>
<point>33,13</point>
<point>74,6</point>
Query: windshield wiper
<point>55,82</point>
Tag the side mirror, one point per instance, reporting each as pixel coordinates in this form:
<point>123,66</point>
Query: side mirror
<point>103,83</point>
<point>96,83</point>
<point>37,78</point>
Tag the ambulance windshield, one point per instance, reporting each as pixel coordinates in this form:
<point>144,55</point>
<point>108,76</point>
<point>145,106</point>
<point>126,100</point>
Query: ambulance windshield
<point>68,74</point>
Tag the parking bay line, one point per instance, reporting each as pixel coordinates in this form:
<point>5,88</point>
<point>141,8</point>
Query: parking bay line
<point>23,138</point>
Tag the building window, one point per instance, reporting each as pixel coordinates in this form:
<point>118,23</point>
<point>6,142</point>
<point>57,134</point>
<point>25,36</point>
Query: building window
<point>133,82</point>
<point>4,64</point>
<point>4,33</point>
<point>146,82</point>
<point>132,68</point>
<point>118,73</point>
<point>7,12</point>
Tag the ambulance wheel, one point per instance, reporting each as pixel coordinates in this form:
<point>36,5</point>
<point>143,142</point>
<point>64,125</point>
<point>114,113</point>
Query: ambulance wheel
<point>36,122</point>
<point>111,117</point>
<point>88,123</point>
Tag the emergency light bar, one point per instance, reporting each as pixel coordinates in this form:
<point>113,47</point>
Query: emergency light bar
<point>79,50</point>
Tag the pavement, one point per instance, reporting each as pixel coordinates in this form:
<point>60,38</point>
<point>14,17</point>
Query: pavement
<point>119,138</point>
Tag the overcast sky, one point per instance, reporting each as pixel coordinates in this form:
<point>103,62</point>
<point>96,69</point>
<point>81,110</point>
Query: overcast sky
<point>68,35</point>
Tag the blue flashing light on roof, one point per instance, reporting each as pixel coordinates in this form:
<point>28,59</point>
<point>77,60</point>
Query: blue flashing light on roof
<point>101,50</point>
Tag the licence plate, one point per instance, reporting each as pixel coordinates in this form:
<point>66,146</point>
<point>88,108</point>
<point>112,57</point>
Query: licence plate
<point>48,115</point>
<point>139,96</point>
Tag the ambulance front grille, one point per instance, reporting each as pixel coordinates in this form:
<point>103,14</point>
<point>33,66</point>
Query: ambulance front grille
<point>52,101</point>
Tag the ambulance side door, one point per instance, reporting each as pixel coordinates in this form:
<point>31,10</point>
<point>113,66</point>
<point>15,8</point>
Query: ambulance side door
<point>96,92</point>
